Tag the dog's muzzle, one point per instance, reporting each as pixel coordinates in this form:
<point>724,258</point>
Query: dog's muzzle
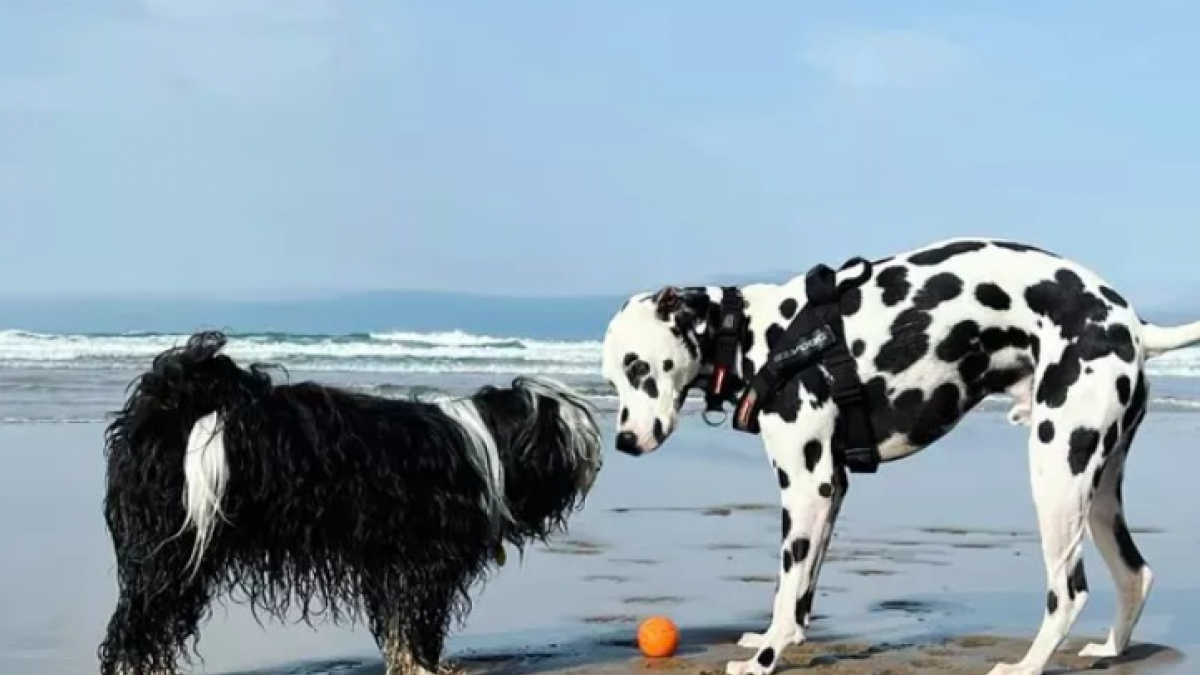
<point>627,442</point>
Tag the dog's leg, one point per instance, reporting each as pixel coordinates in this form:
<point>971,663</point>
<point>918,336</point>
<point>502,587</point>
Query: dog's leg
<point>159,607</point>
<point>397,655</point>
<point>840,486</point>
<point>1062,485</point>
<point>804,465</point>
<point>1131,575</point>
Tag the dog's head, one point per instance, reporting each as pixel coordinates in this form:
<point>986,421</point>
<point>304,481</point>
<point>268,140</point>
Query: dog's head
<point>652,353</point>
<point>548,444</point>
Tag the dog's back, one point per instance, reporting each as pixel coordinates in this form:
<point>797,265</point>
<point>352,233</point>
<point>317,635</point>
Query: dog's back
<point>940,328</point>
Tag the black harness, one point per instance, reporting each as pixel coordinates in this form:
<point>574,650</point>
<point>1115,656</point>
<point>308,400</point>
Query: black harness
<point>815,337</point>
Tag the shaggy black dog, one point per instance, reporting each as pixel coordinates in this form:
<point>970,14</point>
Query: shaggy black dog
<point>308,498</point>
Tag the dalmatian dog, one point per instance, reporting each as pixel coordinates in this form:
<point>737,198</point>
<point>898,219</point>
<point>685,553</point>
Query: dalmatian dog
<point>933,331</point>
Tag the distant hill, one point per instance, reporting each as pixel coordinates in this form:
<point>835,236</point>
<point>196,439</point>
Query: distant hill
<point>546,318</point>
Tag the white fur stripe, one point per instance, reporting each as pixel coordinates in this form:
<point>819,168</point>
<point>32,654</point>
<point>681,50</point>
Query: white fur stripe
<point>206,472</point>
<point>576,414</point>
<point>484,454</point>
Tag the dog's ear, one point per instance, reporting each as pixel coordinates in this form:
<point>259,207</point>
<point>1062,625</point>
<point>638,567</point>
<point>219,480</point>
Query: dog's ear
<point>667,301</point>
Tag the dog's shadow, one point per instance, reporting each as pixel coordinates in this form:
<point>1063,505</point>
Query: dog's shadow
<point>1139,659</point>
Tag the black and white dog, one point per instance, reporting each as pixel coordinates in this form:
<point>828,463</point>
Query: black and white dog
<point>305,497</point>
<point>932,332</point>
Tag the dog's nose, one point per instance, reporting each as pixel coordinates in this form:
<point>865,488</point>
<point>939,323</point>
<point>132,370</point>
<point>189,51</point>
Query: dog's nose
<point>627,442</point>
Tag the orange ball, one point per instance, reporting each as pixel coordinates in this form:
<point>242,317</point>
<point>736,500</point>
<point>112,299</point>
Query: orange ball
<point>658,636</point>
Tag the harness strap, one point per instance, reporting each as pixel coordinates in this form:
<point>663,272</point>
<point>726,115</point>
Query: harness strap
<point>817,336</point>
<point>725,347</point>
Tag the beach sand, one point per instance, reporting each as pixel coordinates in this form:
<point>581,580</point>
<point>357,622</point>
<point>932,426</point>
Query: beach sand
<point>935,568</point>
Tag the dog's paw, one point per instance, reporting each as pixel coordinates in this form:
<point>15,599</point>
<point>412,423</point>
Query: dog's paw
<point>757,640</point>
<point>1100,650</point>
<point>750,667</point>
<point>752,640</point>
<point>1011,669</point>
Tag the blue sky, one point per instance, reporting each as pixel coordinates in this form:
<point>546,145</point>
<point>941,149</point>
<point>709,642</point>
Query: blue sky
<point>270,146</point>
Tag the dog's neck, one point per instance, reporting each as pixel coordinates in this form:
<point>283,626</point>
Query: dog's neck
<point>762,315</point>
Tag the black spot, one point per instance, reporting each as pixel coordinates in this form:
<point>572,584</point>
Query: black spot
<point>1051,602</point>
<point>804,607</point>
<point>766,657</point>
<point>1077,581</point>
<point>894,283</point>
<point>1083,445</point>
<point>972,368</point>
<point>1096,342</point>
<point>668,365</point>
<point>1124,389</point>
<point>1067,303</point>
<point>786,524</point>
<point>993,297</point>
<point>1113,296</point>
<point>788,308</point>
<point>907,407</point>
<point>825,490</point>
<point>774,335</point>
<point>996,339</point>
<point>812,455</point>
<point>1110,440</point>
<point>1046,431</point>
<point>800,548</point>
<point>1058,378</point>
<point>658,431</point>
<point>786,400</point>
<point>857,348</point>
<point>909,342</point>
<point>1137,405</point>
<point>1002,379</point>
<point>787,560</point>
<point>851,301</point>
<point>1035,347</point>
<point>624,415</point>
<point>1129,551</point>
<point>938,288</point>
<point>1022,248</point>
<point>938,415</point>
<point>637,372</point>
<point>962,338</point>
<point>939,255</point>
<point>629,359</point>
<point>650,386</point>
<point>784,482</point>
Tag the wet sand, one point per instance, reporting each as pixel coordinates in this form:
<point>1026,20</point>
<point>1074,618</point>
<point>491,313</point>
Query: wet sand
<point>935,568</point>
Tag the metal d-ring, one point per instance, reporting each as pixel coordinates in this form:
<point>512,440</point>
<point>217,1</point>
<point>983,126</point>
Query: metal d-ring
<point>707,420</point>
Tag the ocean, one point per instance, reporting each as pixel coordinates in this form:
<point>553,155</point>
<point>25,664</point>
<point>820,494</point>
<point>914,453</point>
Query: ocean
<point>76,378</point>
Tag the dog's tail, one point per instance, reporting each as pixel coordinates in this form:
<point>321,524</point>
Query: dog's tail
<point>1162,339</point>
<point>172,422</point>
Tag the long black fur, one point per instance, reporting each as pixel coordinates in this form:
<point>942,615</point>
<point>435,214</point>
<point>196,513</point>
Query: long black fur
<point>339,505</point>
